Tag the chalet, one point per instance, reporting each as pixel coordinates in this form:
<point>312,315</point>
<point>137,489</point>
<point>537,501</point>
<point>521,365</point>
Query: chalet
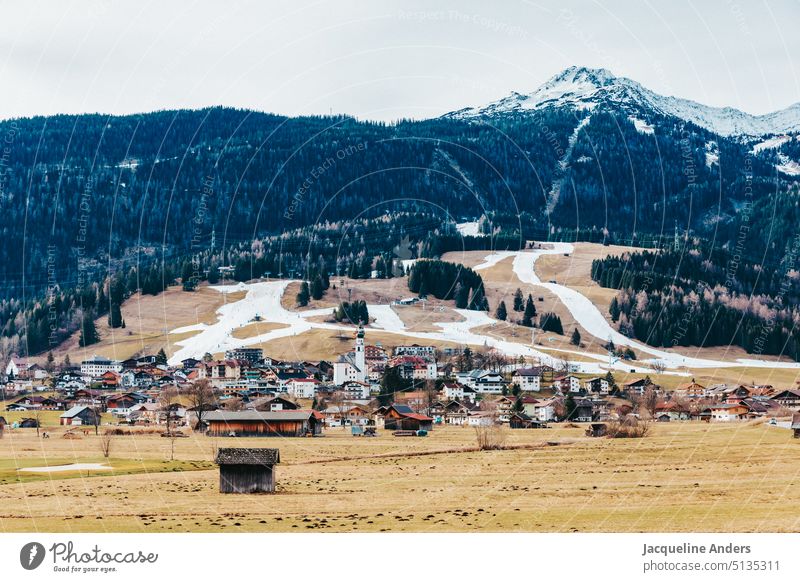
<point>568,383</point>
<point>221,370</point>
<point>483,381</point>
<point>788,399</point>
<point>284,423</point>
<point>401,417</point>
<point>543,410</point>
<point>583,412</point>
<point>672,411</point>
<point>596,385</point>
<point>346,414</point>
<point>522,420</point>
<point>28,423</point>
<point>143,414</point>
<point>79,415</point>
<point>728,412</point>
<point>17,367</point>
<point>36,372</point>
<point>190,363</point>
<point>482,418</point>
<point>247,470</point>
<point>457,413</point>
<point>452,391</point>
<point>274,403</point>
<point>528,379</point>
<point>110,379</point>
<point>121,404</point>
<point>356,390</point>
<point>691,390</point>
<point>636,386</point>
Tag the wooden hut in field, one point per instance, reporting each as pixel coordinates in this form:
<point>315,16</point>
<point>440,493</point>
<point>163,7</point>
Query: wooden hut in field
<point>401,417</point>
<point>796,425</point>
<point>257,423</point>
<point>247,470</point>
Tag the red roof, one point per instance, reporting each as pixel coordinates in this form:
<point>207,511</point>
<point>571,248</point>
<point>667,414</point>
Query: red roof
<point>416,416</point>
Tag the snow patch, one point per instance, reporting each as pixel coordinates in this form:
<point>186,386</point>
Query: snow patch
<point>469,229</point>
<point>641,125</point>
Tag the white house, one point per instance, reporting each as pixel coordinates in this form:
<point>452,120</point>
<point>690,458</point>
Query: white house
<point>356,390</point>
<point>16,366</point>
<point>568,384</point>
<point>97,366</point>
<point>528,379</point>
<point>483,381</point>
<point>302,387</point>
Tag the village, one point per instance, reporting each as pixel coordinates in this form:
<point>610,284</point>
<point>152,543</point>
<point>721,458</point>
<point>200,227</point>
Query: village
<point>408,391</point>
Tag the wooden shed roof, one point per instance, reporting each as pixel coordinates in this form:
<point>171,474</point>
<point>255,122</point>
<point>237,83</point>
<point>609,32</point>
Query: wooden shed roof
<point>235,456</point>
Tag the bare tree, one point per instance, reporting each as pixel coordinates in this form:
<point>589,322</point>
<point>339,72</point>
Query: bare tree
<point>201,399</point>
<point>105,444</point>
<point>167,399</point>
<point>658,367</point>
<point>339,402</point>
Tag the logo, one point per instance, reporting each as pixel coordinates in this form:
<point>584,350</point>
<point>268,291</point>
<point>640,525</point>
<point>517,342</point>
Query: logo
<point>31,555</point>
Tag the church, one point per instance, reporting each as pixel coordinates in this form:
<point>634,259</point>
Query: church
<point>352,367</point>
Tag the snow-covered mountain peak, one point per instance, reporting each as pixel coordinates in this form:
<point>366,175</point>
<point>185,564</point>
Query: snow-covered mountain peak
<point>586,88</point>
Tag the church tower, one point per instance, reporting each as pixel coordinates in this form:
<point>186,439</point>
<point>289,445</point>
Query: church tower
<point>360,356</point>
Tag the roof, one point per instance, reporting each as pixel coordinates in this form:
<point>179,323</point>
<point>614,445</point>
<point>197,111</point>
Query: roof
<point>796,420</point>
<point>74,411</point>
<point>233,415</point>
<point>232,456</point>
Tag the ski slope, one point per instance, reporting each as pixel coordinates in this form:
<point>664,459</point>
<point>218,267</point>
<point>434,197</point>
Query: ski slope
<point>263,301</point>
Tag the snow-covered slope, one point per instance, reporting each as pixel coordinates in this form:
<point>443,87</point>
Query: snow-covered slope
<point>583,88</point>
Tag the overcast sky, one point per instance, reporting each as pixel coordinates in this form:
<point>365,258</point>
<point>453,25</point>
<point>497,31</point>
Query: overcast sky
<point>383,59</point>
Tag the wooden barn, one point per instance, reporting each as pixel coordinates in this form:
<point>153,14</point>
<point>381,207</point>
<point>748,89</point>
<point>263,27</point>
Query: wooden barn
<point>257,423</point>
<point>401,417</point>
<point>522,420</point>
<point>247,470</point>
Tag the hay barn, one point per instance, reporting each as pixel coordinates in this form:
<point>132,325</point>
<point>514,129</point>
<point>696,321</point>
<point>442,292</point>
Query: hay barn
<point>247,470</point>
<point>285,423</point>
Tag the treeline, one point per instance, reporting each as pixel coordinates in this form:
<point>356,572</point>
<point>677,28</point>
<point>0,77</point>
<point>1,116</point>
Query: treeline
<point>701,299</point>
<point>447,281</point>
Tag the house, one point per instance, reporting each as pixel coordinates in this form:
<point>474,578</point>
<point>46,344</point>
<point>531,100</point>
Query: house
<point>97,366</point>
<point>302,387</point>
<point>482,418</point>
<point>16,367</point>
<point>28,423</point>
<point>356,390</point>
<point>247,470</point>
<point>274,403</point>
<point>483,381</point>
<point>528,379</point>
<point>672,411</point>
<point>569,383</point>
<point>638,386</point>
<point>543,410</point>
<point>346,414</point>
<point>597,384</point>
<point>457,413</point>
<point>79,415</point>
<point>425,352</point>
<point>121,404</point>
<point>110,379</point>
<point>401,417</point>
<point>251,355</point>
<point>691,390</point>
<point>522,420</point>
<point>452,391</point>
<point>728,412</point>
<point>583,411</point>
<point>284,423</point>
<point>788,399</point>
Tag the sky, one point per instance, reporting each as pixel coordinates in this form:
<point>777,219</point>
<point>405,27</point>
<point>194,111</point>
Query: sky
<point>383,59</point>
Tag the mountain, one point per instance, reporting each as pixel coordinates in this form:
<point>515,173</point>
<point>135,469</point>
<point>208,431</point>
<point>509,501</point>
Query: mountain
<point>589,89</point>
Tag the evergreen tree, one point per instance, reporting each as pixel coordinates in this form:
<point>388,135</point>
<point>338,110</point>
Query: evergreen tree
<point>575,340</point>
<point>518,301</point>
<point>161,358</point>
<point>317,288</point>
<point>304,295</point>
<point>89,334</point>
<point>552,323</point>
<point>501,312</point>
<point>530,312</point>
<point>213,275</point>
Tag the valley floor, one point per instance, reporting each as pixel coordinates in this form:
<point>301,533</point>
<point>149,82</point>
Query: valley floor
<point>738,477</point>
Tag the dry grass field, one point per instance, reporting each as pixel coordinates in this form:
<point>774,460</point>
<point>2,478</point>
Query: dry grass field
<point>683,477</point>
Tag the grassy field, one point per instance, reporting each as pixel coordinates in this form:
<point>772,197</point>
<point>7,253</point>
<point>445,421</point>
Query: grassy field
<point>683,477</point>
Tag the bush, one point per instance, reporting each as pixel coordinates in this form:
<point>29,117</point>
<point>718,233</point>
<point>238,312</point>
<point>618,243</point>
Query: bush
<point>628,427</point>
